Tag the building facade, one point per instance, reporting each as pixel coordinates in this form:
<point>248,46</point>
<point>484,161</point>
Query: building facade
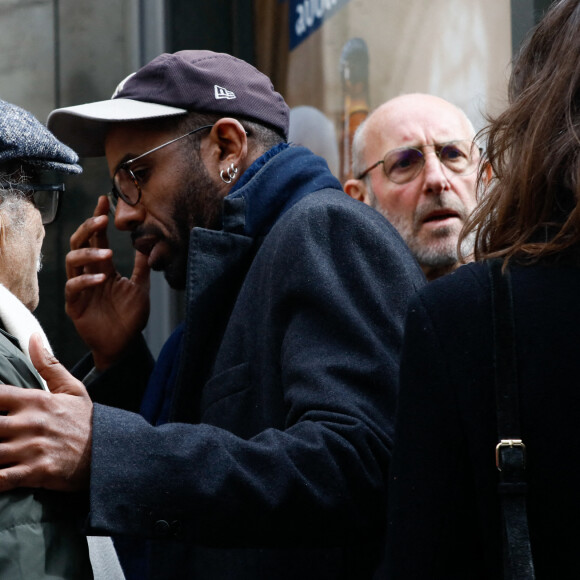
<point>333,60</point>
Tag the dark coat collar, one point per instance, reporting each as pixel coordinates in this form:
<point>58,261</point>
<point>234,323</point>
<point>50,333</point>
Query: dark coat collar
<point>272,185</point>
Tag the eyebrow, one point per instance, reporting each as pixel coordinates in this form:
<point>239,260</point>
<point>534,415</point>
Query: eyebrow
<point>446,142</point>
<point>124,159</point>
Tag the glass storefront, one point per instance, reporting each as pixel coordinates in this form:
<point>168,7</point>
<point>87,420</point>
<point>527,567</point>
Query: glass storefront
<point>346,57</point>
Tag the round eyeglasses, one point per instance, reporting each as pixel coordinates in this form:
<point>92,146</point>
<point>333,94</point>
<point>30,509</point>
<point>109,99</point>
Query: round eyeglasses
<point>402,165</point>
<point>127,185</point>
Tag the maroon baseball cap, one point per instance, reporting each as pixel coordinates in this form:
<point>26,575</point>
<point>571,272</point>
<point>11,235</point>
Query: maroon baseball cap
<point>170,85</point>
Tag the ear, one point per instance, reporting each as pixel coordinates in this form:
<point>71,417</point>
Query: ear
<point>487,173</point>
<point>229,144</point>
<point>2,231</point>
<point>357,189</point>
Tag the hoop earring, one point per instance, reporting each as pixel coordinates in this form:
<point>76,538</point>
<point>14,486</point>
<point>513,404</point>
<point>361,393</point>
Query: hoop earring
<point>232,172</point>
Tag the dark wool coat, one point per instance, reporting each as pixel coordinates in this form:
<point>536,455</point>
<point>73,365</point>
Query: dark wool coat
<point>444,519</point>
<point>273,463</point>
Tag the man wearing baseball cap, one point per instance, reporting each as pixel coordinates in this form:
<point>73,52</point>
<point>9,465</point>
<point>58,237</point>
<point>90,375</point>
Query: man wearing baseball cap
<point>258,444</point>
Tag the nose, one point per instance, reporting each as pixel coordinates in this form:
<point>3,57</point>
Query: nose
<point>434,176</point>
<point>128,217</point>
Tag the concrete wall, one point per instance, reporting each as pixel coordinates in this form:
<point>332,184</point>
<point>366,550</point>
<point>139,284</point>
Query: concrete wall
<point>56,53</point>
<point>27,65</point>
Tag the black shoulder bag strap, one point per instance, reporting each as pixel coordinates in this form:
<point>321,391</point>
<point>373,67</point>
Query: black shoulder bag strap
<point>510,451</point>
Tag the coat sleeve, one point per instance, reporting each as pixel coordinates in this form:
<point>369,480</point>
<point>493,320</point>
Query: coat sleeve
<point>332,283</point>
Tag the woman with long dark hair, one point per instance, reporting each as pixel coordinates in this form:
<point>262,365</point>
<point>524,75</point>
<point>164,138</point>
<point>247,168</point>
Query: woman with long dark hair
<point>445,514</point>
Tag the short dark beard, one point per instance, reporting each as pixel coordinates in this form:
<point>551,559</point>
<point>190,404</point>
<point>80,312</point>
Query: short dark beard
<point>198,204</point>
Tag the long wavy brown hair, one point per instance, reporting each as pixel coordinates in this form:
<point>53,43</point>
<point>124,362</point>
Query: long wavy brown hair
<point>530,208</point>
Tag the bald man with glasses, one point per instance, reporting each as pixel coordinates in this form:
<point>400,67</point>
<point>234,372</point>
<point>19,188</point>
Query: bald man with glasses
<point>415,161</point>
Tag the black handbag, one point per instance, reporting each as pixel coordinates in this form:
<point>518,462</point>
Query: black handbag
<point>510,451</point>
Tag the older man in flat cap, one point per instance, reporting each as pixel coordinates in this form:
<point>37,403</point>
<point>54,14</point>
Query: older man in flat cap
<point>40,534</point>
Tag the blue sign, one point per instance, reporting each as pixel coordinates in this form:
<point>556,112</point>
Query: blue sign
<point>306,16</point>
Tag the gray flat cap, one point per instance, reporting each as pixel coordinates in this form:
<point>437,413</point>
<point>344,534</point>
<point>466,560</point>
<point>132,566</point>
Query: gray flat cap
<point>24,139</point>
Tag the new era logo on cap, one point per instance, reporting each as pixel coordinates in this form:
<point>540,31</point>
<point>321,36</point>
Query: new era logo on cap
<point>121,85</point>
<point>221,93</point>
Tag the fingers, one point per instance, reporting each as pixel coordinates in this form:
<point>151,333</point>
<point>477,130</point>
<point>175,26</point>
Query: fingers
<point>93,231</point>
<point>21,464</point>
<point>45,440</point>
<point>141,271</point>
<point>58,379</point>
<point>102,207</point>
<point>100,239</point>
<point>87,233</point>
<point>74,288</point>
<point>90,253</point>
<point>28,463</point>
<point>89,261</point>
<point>13,477</point>
<point>13,398</point>
<point>15,449</point>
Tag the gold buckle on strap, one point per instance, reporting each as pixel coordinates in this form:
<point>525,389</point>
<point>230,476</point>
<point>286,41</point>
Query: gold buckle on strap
<point>508,443</point>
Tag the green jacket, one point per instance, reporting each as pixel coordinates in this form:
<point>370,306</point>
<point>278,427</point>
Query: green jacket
<point>40,531</point>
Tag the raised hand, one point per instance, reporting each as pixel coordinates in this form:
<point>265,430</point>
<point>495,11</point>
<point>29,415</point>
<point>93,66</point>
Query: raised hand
<point>45,438</point>
<point>107,309</point>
